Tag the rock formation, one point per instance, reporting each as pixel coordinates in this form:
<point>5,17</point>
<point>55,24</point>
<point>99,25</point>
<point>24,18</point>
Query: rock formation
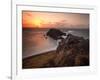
<point>72,51</point>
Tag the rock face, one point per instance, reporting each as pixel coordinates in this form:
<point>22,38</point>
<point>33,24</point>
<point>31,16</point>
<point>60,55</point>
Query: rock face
<point>72,51</point>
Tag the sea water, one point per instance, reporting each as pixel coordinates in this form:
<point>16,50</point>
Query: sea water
<point>35,42</point>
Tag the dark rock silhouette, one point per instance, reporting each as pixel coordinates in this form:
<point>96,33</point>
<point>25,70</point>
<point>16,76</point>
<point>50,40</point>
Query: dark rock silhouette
<point>55,34</point>
<point>71,51</point>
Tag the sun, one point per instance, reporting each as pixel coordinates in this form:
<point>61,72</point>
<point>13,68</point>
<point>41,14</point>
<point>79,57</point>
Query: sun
<point>37,22</point>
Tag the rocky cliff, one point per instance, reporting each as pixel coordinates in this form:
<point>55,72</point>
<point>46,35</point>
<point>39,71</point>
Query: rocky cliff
<point>71,51</point>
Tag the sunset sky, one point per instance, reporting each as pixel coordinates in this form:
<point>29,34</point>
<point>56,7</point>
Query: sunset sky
<point>31,19</point>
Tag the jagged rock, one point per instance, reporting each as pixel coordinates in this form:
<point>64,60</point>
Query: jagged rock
<point>55,34</point>
<point>71,51</point>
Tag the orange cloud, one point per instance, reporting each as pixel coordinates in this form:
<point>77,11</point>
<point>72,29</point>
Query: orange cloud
<point>31,19</point>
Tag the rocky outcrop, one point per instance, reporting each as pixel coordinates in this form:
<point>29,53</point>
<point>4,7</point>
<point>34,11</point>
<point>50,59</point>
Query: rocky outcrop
<point>72,51</point>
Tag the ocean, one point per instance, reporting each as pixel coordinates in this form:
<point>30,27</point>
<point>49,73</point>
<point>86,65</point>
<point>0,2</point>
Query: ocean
<point>35,42</point>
